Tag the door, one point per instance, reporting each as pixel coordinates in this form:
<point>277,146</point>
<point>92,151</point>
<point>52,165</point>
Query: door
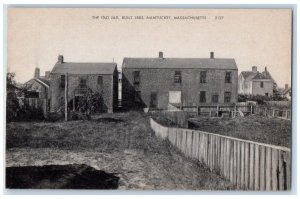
<point>174,97</point>
<point>153,100</point>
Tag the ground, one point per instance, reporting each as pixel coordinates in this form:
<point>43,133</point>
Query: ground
<point>254,127</point>
<point>122,144</point>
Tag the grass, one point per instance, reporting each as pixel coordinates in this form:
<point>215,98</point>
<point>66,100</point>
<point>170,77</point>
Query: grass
<point>120,143</point>
<point>255,128</point>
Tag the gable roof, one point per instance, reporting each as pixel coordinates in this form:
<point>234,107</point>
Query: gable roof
<point>44,80</point>
<point>250,75</point>
<point>84,68</point>
<point>284,91</point>
<point>181,63</point>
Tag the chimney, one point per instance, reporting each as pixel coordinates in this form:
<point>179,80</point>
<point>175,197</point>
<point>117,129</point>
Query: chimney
<point>254,68</point>
<point>47,74</point>
<point>212,55</point>
<point>286,86</point>
<point>37,72</point>
<point>161,55</point>
<point>266,69</point>
<point>60,59</point>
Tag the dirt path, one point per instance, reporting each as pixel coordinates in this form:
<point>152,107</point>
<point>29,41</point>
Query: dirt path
<point>141,160</point>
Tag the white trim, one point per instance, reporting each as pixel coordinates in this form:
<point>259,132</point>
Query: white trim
<point>41,82</point>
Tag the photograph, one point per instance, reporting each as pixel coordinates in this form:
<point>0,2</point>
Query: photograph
<point>151,99</point>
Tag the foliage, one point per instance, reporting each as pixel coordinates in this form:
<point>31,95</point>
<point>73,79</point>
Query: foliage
<point>16,108</point>
<point>260,99</point>
<point>90,103</point>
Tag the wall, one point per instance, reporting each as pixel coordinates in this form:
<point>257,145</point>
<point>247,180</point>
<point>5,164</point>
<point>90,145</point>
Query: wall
<point>249,165</point>
<point>257,90</point>
<point>108,90</point>
<point>162,81</point>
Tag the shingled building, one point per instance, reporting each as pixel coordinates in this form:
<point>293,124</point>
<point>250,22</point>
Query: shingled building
<point>83,78</point>
<point>156,82</point>
<point>256,83</point>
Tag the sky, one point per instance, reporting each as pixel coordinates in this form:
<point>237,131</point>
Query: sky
<point>253,37</point>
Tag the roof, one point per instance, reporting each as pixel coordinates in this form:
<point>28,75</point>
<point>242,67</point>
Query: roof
<point>84,68</point>
<point>284,91</point>
<point>250,75</point>
<point>44,80</point>
<point>41,80</point>
<point>181,63</point>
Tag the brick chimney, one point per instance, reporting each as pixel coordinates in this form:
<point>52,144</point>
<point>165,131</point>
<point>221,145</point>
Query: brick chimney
<point>286,86</point>
<point>212,56</point>
<point>37,72</point>
<point>60,59</point>
<point>160,55</point>
<point>47,74</point>
<point>254,68</point>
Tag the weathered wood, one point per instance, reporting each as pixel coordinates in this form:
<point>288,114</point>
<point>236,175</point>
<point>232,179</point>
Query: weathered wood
<point>268,169</point>
<point>231,159</point>
<point>256,168</point>
<point>262,169</point>
<point>281,170</point>
<point>238,165</point>
<point>287,159</point>
<point>251,168</point>
<point>242,182</point>
<point>228,159</point>
<point>179,138</point>
<point>247,165</point>
<point>274,169</point>
<point>201,150</point>
<point>195,144</point>
<point>234,162</point>
<point>183,142</point>
<point>189,143</point>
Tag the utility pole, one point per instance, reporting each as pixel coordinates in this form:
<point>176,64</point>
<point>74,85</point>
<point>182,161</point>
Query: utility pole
<point>66,96</point>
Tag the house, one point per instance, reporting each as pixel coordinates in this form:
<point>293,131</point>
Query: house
<point>37,91</point>
<point>256,83</point>
<point>286,92</point>
<point>156,82</point>
<point>83,78</point>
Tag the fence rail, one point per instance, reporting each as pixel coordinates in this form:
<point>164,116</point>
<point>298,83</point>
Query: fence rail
<point>213,110</point>
<point>249,165</point>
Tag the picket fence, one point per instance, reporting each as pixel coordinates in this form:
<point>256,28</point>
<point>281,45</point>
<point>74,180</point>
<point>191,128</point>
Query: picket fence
<point>249,165</point>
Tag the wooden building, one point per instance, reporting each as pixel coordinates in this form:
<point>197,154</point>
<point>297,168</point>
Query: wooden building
<point>156,82</point>
<point>82,78</point>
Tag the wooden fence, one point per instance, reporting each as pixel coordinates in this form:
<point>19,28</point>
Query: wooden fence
<point>249,165</point>
<point>273,112</point>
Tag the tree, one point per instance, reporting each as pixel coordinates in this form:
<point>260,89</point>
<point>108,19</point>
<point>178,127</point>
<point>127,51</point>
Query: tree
<point>13,107</point>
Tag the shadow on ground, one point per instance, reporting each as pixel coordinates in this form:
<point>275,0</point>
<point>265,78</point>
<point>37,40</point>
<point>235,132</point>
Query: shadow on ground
<point>71,176</point>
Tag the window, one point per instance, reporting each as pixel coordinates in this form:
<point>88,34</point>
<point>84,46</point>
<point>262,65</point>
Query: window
<point>177,77</point>
<point>137,96</point>
<point>215,98</point>
<point>32,94</point>
<point>136,77</point>
<point>227,97</point>
<point>100,80</point>
<point>228,77</point>
<point>203,76</point>
<point>261,84</point>
<point>62,81</point>
<point>202,97</point>
<point>82,82</point>
<point>267,94</point>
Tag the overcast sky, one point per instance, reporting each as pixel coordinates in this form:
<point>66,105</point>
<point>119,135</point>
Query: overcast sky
<point>35,37</point>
